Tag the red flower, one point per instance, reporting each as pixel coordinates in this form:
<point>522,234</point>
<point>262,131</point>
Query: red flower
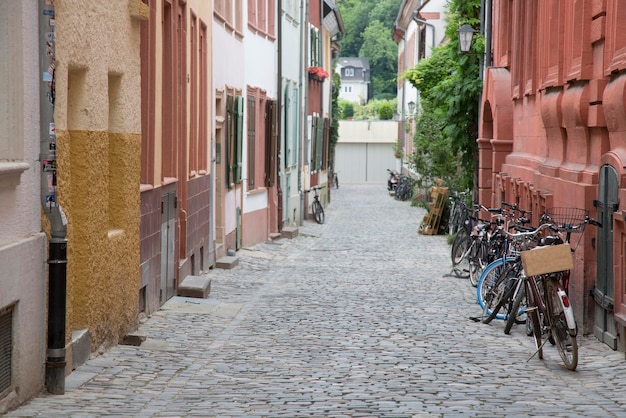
<point>318,72</point>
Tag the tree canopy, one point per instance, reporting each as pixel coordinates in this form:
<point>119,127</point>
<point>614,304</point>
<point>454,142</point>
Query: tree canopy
<point>450,88</point>
<point>368,25</point>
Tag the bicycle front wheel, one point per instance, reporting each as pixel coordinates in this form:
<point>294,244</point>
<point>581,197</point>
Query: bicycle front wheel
<point>564,338</point>
<point>486,284</point>
<point>477,261</point>
<point>533,317</point>
<point>318,212</point>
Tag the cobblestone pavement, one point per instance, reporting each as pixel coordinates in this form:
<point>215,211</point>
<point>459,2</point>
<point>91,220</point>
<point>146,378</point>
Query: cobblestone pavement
<point>358,317</point>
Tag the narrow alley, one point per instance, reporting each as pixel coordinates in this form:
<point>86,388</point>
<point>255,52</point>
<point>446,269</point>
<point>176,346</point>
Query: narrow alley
<point>358,317</point>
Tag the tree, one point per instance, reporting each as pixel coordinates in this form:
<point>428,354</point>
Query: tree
<point>450,88</point>
<point>382,53</point>
<point>372,18</point>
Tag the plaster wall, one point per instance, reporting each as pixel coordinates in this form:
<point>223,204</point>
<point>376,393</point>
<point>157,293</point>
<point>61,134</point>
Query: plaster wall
<point>22,244</point>
<point>98,122</point>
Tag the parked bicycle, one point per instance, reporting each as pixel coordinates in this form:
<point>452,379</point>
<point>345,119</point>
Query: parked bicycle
<point>316,205</point>
<point>404,189</point>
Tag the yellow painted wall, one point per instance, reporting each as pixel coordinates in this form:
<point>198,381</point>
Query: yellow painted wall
<point>98,121</point>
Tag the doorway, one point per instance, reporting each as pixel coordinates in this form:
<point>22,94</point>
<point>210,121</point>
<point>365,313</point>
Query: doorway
<point>168,242</point>
<point>604,292</point>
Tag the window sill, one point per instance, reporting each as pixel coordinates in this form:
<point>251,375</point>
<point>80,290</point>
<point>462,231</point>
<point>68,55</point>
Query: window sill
<point>11,172</point>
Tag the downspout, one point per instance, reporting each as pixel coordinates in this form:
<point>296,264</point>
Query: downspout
<point>424,22</point>
<point>279,124</point>
<point>57,261</point>
<point>304,56</point>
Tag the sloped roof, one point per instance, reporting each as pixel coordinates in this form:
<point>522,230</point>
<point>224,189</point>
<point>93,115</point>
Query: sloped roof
<point>355,62</point>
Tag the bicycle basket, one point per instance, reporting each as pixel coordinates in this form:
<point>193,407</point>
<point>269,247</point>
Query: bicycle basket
<point>568,219</point>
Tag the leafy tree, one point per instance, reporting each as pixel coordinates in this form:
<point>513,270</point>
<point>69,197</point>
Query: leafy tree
<point>370,22</point>
<point>382,52</point>
<point>450,88</point>
<point>385,112</point>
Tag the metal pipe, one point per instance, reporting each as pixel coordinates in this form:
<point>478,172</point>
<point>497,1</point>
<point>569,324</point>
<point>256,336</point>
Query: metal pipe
<point>57,261</point>
<point>424,22</point>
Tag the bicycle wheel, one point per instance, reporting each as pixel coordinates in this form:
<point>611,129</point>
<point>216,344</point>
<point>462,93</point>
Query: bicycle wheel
<point>486,283</point>
<point>533,317</point>
<point>477,261</point>
<point>500,297</point>
<point>564,338</point>
<point>318,211</point>
<point>460,249</point>
<point>518,310</point>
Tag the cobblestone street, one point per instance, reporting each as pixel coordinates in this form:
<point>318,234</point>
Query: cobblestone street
<point>358,317</point>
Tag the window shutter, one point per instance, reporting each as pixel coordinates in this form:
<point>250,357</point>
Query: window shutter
<point>271,141</point>
<point>319,142</point>
<point>251,141</point>
<point>230,129</point>
<point>239,103</point>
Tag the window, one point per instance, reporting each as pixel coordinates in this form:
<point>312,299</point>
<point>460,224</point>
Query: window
<point>230,12</point>
<point>315,48</point>
<point>251,141</point>
<point>348,72</point>
<point>11,89</point>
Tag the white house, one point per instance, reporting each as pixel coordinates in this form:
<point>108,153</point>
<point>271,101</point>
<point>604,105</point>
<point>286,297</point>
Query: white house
<point>355,79</point>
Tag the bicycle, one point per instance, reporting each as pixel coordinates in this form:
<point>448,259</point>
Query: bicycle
<point>316,205</point>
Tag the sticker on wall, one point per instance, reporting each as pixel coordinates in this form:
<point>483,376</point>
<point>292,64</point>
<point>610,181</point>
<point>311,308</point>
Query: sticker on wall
<point>47,77</point>
<point>63,217</point>
<point>48,12</point>
<point>52,147</point>
<point>51,201</point>
<point>52,22</point>
<point>50,36</point>
<point>52,130</point>
<point>48,2</point>
<point>52,187</point>
<point>49,166</point>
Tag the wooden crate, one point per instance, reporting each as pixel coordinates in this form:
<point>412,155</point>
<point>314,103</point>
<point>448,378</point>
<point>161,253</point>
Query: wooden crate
<point>549,259</point>
<point>430,223</point>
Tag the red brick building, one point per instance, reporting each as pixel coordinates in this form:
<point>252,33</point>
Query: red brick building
<point>553,133</point>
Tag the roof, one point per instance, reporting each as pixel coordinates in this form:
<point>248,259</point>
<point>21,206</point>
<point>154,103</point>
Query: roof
<point>355,62</point>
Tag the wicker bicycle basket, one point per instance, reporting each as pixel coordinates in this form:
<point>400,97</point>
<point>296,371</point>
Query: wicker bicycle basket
<point>568,219</point>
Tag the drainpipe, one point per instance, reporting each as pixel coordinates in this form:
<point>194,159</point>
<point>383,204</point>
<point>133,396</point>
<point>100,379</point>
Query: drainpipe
<point>424,22</point>
<point>57,261</point>
<point>279,124</point>
<point>304,91</point>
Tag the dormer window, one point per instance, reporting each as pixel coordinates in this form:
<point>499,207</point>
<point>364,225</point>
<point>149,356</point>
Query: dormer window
<point>349,72</point>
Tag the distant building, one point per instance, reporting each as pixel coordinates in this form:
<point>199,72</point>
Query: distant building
<point>355,79</point>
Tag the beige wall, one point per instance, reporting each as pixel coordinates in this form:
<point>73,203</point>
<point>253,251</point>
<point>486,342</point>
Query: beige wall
<point>98,121</point>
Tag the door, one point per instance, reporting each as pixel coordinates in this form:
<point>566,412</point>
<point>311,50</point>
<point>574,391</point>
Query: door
<point>168,241</point>
<point>604,292</point>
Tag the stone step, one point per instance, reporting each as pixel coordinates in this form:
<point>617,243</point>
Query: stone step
<point>228,262</point>
<point>289,232</point>
<point>195,287</point>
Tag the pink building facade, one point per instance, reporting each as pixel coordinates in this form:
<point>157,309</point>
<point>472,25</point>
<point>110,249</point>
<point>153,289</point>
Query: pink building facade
<point>553,134</point>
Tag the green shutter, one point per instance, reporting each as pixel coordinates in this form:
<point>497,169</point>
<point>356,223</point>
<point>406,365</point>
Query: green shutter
<point>319,142</point>
<point>230,117</point>
<point>238,138</point>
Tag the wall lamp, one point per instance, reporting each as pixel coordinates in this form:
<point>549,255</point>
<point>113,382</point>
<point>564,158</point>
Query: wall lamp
<point>465,34</point>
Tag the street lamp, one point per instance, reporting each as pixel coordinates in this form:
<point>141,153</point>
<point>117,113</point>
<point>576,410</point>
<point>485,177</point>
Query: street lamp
<point>411,105</point>
<point>465,34</point>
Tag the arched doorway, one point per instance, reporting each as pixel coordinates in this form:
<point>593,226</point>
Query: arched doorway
<point>604,292</point>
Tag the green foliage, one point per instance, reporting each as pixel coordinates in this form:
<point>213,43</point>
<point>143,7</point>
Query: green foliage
<point>369,111</point>
<point>347,108</point>
<point>450,87</point>
<point>385,112</point>
<point>368,26</point>
<point>336,115</point>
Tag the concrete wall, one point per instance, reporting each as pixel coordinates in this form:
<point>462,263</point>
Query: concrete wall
<point>22,244</point>
<point>366,150</point>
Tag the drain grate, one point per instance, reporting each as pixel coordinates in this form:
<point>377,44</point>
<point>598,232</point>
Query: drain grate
<point>6,344</point>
